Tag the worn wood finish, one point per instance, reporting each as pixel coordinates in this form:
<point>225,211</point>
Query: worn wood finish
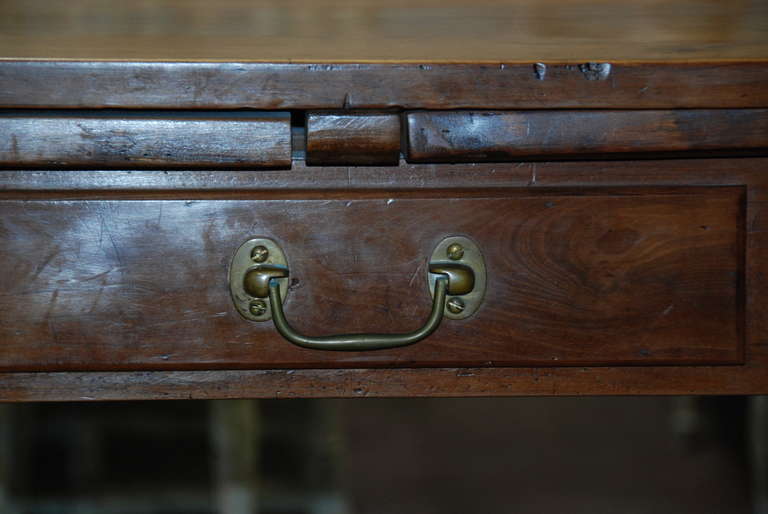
<point>603,276</point>
<point>389,30</point>
<point>376,383</point>
<point>448,177</point>
<point>749,378</point>
<point>493,136</point>
<point>117,269</point>
<point>559,85</point>
<point>357,139</point>
<point>144,140</point>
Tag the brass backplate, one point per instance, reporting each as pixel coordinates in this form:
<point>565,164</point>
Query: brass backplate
<point>242,262</point>
<point>472,257</point>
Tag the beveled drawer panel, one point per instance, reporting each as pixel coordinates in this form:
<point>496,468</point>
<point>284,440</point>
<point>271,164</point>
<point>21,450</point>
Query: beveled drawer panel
<point>586,276</point>
<point>145,140</point>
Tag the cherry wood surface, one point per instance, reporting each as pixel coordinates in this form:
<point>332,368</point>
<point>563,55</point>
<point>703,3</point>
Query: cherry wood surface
<point>301,178</point>
<point>144,140</point>
<point>602,276</point>
<point>279,86</point>
<point>344,54</point>
<point>607,277</point>
<point>488,136</point>
<point>96,275</point>
<point>749,378</point>
<point>399,383</point>
<point>385,30</point>
<point>343,137</point>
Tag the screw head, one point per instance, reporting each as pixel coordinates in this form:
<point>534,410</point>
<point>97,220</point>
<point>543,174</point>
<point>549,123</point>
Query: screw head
<point>455,251</point>
<point>455,305</point>
<point>258,307</point>
<point>259,253</point>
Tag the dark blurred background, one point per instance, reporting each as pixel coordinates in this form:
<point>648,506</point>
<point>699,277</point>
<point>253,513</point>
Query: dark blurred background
<point>420,456</point>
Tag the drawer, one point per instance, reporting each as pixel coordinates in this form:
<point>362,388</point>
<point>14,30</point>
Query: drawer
<point>498,136</point>
<point>145,139</point>
<point>575,277</point>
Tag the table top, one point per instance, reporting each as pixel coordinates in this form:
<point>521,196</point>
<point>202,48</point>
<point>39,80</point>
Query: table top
<point>477,31</point>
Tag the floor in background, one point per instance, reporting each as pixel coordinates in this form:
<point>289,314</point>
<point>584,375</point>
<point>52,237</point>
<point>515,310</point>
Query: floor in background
<point>373,456</point>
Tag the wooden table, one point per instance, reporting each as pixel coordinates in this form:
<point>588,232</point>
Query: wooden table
<point>606,159</point>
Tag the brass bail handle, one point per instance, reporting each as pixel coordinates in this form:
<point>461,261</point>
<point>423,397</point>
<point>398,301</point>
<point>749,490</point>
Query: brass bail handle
<point>454,284</point>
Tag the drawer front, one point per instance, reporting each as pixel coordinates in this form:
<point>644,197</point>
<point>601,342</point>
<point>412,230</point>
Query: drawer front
<point>574,277</point>
<point>145,140</point>
<point>497,136</point>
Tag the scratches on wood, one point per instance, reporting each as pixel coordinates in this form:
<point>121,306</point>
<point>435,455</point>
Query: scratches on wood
<point>578,277</point>
<point>144,140</point>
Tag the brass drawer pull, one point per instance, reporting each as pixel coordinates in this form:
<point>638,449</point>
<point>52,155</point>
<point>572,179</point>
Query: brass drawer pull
<point>259,271</point>
<point>358,341</point>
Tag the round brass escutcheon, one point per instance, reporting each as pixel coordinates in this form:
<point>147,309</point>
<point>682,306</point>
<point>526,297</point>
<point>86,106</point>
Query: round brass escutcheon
<point>249,298</point>
<point>452,257</point>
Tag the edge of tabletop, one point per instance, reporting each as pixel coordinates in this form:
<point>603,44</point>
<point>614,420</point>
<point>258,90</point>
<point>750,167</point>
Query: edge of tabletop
<point>289,85</point>
<point>383,383</point>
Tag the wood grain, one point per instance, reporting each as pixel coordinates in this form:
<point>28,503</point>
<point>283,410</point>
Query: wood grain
<point>217,85</point>
<point>749,378</point>
<point>385,30</point>
<point>106,276</point>
<point>145,140</point>
<point>378,383</point>
<point>748,171</point>
<point>497,136</point>
<point>349,138</point>
<point>602,276</point>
